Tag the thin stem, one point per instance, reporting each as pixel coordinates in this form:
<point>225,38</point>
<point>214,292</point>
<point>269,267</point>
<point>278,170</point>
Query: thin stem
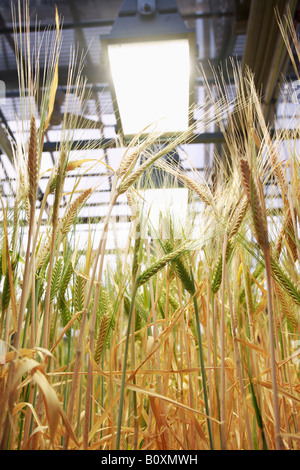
<point>223,385</point>
<point>238,362</point>
<point>155,337</point>
<point>121,405</point>
<point>101,251</point>
<point>278,439</point>
<point>198,328</point>
<point>10,394</point>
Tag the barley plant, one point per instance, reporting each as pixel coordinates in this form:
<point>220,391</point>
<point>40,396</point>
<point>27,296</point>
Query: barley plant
<point>189,341</point>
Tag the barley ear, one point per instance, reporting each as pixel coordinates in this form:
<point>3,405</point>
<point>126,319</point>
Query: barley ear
<point>65,313</point>
<point>65,278</point>
<point>201,190</point>
<point>101,337</point>
<point>128,160</point>
<point>181,269</point>
<point>237,217</point>
<point>290,233</point>
<point>284,281</point>
<point>287,307</point>
<point>217,272</point>
<point>32,162</point>
<point>79,292</point>
<point>252,193</point>
<point>55,278</point>
<point>60,177</point>
<point>70,215</point>
<point>5,293</point>
<point>159,265</point>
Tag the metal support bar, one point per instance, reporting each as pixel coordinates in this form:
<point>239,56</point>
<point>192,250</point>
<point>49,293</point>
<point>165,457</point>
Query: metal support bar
<point>205,138</point>
<point>110,21</point>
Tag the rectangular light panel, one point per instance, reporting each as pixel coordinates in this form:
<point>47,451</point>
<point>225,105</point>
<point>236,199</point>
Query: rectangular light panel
<point>151,81</point>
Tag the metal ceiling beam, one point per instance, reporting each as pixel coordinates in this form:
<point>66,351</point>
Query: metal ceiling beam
<point>205,138</point>
<point>101,23</point>
<point>265,53</point>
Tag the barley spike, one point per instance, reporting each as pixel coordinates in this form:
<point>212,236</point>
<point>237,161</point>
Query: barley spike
<point>32,162</point>
<point>101,337</point>
<point>159,265</point>
<point>259,220</point>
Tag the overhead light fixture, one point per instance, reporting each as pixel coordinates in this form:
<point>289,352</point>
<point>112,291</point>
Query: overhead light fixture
<point>150,54</point>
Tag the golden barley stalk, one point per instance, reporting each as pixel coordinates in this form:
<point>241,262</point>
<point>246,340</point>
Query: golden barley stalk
<point>237,217</point>
<point>72,211</point>
<point>288,231</point>
<point>131,201</point>
<point>277,168</point>
<point>125,185</point>
<point>127,161</point>
<point>252,193</point>
<point>288,226</point>
<point>200,189</point>
<point>32,162</point>
<point>59,185</point>
<point>43,252</point>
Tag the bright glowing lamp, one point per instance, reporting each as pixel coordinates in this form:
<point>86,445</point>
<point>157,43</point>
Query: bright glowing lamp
<point>150,53</point>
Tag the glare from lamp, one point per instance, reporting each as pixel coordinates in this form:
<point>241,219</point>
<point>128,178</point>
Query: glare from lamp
<point>166,209</point>
<point>151,81</point>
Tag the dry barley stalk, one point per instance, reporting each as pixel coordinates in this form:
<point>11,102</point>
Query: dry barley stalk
<point>32,173</point>
<point>238,359</point>
<point>222,332</point>
<point>32,168</point>
<point>261,231</point>
<point>56,204</point>
<point>99,259</point>
<point>115,192</point>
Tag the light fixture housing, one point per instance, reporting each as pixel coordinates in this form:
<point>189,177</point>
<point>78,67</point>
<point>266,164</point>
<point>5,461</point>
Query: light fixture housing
<point>150,56</point>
